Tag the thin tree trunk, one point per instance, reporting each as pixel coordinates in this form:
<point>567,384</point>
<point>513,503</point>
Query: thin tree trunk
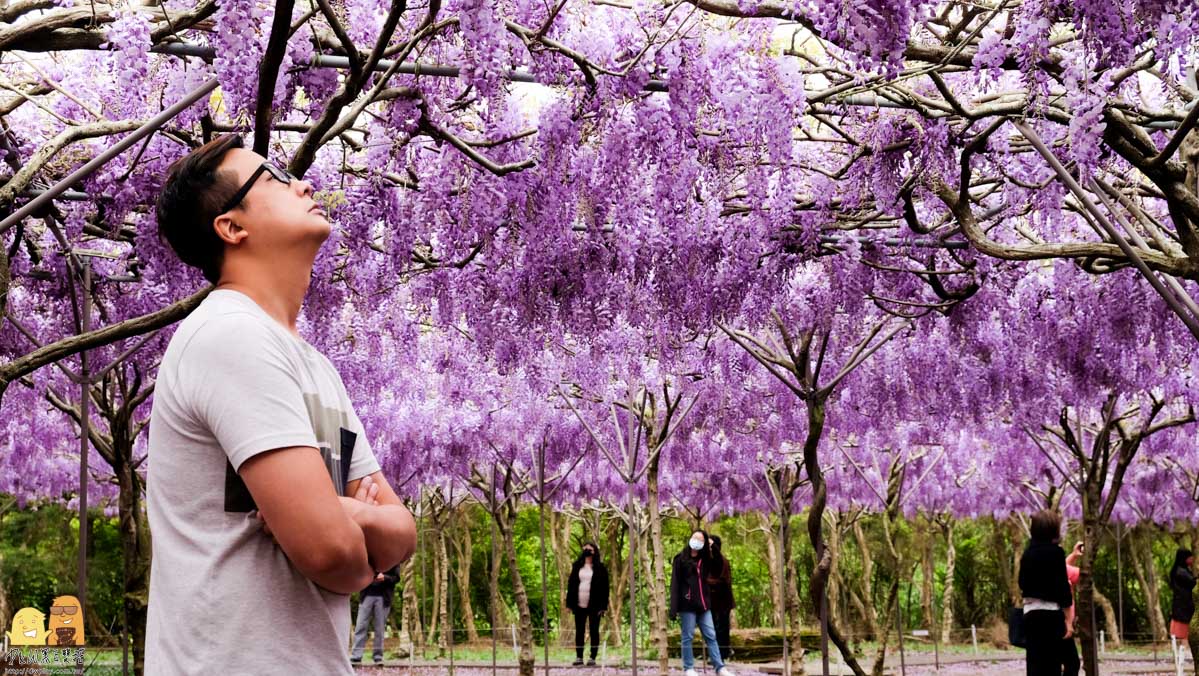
<point>928,571</point>
<point>772,563</point>
<point>836,588</point>
<point>1109,619</point>
<point>525,628</point>
<point>443,592</point>
<point>411,629</point>
<point>432,634</point>
<point>135,550</point>
<point>499,614</point>
<point>951,555</point>
<point>884,638</point>
<point>824,560</point>
<point>784,482</point>
<point>657,579</point>
<point>464,550</point>
<point>560,528</point>
<point>865,596</point>
<point>618,571</point>
<point>1147,578</point>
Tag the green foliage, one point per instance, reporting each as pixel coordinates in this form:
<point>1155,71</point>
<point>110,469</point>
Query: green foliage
<point>39,549</point>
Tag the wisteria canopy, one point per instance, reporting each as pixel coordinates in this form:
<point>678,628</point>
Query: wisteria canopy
<point>898,255</point>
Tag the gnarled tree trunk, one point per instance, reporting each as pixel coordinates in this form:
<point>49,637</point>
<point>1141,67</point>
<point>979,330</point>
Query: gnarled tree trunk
<point>411,632</point>
<point>505,521</point>
<point>1143,567</point>
<point>463,549</point>
<point>951,555</point>
<point>1109,619</point>
<point>618,571</point>
<point>772,563</point>
<point>560,527</point>
<point>864,594</point>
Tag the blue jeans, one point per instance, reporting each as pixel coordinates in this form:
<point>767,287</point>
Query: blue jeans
<point>371,611</point>
<point>688,620</point>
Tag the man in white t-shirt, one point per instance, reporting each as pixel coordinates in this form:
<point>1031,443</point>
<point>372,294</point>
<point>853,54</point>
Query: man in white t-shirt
<point>266,502</point>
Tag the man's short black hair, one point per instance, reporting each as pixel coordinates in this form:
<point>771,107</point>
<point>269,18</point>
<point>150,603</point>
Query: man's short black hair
<point>191,200</point>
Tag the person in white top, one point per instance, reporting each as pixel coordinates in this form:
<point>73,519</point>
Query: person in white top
<point>266,503</point>
<point>587,597</point>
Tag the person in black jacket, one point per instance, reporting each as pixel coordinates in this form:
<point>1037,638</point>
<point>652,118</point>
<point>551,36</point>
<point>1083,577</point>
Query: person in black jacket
<point>1048,600</point>
<point>1182,584</point>
<point>690,601</point>
<point>587,597</point>
<point>720,581</point>
<point>373,608</point>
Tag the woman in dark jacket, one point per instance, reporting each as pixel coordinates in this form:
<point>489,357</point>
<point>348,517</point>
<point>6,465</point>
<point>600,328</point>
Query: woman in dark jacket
<point>720,581</point>
<point>691,601</point>
<point>587,597</point>
<point>1048,601</point>
<point>1182,583</point>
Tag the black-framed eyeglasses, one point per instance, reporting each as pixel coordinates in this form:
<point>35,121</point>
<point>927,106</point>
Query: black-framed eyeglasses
<point>281,175</point>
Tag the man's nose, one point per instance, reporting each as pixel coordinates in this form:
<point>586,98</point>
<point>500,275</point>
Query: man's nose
<point>305,187</point>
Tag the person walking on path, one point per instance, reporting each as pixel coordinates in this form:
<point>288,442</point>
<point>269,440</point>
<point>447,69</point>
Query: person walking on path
<point>374,607</point>
<point>587,598</point>
<point>1048,600</point>
<point>690,602</point>
<point>720,581</point>
<point>1182,584</point>
<point>266,503</point>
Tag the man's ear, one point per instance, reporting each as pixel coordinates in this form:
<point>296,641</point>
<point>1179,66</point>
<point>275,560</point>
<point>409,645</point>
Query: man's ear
<point>228,229</point>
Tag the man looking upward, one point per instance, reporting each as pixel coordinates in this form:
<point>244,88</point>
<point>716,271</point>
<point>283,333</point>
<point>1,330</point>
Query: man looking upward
<point>266,503</point>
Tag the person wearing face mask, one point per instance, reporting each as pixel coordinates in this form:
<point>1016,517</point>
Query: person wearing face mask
<point>587,598</point>
<point>691,602</point>
<point>720,581</point>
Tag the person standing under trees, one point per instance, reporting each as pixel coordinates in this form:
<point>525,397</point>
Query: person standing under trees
<point>1182,584</point>
<point>266,503</point>
<point>1070,662</point>
<point>720,581</point>
<point>1048,601</point>
<point>690,601</point>
<point>587,598</point>
<point>374,606</point>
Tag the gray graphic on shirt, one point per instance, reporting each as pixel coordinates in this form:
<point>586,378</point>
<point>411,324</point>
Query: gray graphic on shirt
<point>334,440</point>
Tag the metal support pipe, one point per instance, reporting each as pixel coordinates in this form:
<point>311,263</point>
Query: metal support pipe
<point>545,602</point>
<point>1191,322</point>
<point>103,158</point>
<point>343,63</point>
<point>85,387</point>
<point>524,76</point>
<point>632,571</point>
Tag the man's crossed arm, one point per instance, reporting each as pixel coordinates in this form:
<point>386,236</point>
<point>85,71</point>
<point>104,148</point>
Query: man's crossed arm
<point>338,542</point>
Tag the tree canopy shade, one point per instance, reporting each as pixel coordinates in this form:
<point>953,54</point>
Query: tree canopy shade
<point>898,256</point>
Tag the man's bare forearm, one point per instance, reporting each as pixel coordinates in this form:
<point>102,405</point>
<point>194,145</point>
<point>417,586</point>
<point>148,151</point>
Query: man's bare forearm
<point>390,533</point>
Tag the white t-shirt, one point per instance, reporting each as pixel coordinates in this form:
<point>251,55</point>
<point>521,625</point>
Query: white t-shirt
<point>224,598</point>
<point>585,575</point>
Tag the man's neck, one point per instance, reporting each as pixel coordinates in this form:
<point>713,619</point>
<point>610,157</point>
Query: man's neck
<point>279,291</point>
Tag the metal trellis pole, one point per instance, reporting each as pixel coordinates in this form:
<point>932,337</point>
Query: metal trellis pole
<point>84,433</point>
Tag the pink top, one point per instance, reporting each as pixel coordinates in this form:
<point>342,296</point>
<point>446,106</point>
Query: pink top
<point>1072,574</point>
